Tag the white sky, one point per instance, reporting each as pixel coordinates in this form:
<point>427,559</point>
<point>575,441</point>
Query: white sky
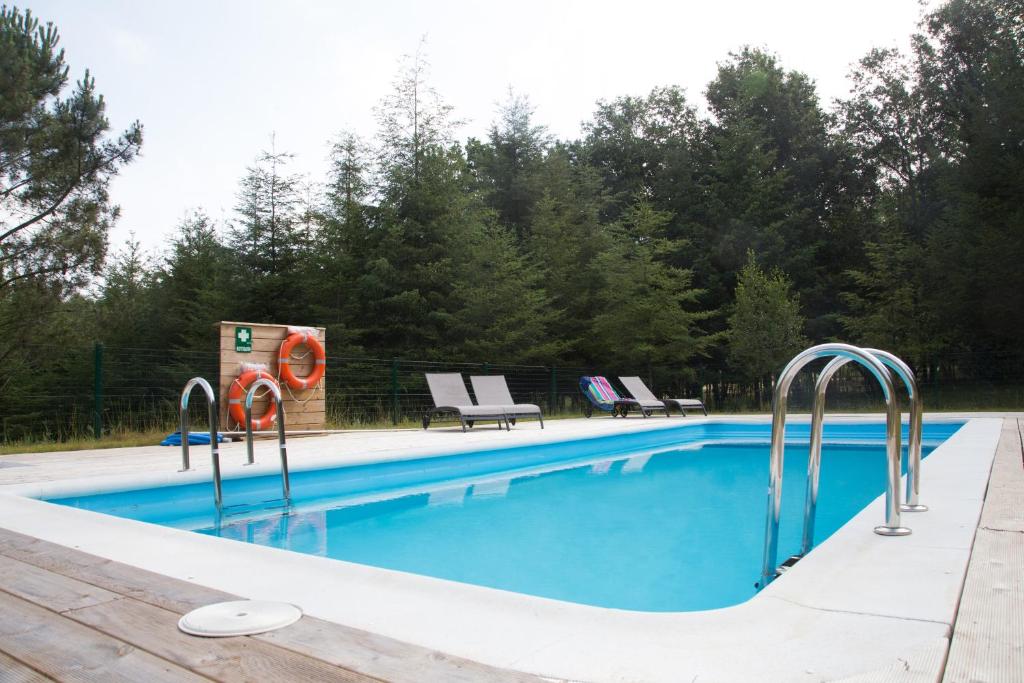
<point>210,81</point>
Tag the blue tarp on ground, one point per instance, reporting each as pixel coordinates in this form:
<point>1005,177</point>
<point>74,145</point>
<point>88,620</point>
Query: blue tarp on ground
<point>194,439</point>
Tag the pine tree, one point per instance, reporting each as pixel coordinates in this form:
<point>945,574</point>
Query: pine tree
<point>566,238</point>
<point>508,166</point>
<point>343,245</point>
<point>765,326</point>
<point>268,241</point>
<point>197,285</point>
<point>649,310</point>
<point>504,313</point>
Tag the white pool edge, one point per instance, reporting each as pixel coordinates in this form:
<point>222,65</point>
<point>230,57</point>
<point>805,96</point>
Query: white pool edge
<point>860,602</point>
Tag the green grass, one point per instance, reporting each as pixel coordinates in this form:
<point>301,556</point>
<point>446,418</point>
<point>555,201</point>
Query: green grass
<point>124,438</point>
<point>119,440</point>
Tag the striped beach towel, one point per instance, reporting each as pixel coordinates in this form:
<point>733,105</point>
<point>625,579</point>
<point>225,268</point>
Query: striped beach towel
<point>600,392</point>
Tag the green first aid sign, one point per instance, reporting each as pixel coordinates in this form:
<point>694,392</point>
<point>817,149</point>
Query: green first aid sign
<point>243,339</point>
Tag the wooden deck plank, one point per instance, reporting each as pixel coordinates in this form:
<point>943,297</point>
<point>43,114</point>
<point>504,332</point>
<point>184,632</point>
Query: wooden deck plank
<point>47,589</point>
<point>359,651</point>
<point>13,671</point>
<point>1003,509</point>
<point>988,635</point>
<point>154,630</point>
<point>155,589</point>
<point>68,651</point>
<point>224,659</point>
<point>383,657</point>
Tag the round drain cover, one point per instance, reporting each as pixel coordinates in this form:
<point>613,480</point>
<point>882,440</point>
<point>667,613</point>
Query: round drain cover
<point>239,618</point>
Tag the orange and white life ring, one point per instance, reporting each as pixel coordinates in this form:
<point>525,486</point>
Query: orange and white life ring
<point>236,399</point>
<point>284,360</point>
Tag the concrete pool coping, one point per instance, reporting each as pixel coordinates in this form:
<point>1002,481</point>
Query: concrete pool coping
<point>859,603</point>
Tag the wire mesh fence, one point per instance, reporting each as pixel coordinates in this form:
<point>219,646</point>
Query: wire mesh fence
<point>64,393</point>
<point>378,390</point>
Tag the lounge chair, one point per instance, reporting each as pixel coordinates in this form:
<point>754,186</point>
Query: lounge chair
<point>636,386</point>
<point>601,395</point>
<point>450,396</point>
<point>493,390</point>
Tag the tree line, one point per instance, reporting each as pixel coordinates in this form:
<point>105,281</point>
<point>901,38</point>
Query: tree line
<point>659,238</point>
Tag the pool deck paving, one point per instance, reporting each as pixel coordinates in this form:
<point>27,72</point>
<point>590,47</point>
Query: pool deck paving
<point>70,615</point>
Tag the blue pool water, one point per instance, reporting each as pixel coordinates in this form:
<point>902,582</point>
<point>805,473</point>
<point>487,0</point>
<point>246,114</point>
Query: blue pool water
<point>670,520</point>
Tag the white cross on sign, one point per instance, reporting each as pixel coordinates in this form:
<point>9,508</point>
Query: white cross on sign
<point>243,339</point>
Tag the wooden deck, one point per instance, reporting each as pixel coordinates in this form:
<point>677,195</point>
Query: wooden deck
<point>69,616</point>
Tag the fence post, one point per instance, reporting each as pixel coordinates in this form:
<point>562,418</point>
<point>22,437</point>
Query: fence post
<point>554,389</point>
<point>394,391</point>
<point>97,390</point>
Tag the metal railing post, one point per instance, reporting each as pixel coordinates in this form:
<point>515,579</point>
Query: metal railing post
<point>394,391</point>
<point>553,392</point>
<point>97,390</point>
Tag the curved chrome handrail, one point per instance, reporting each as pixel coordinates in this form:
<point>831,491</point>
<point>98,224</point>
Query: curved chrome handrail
<point>276,392</point>
<point>914,435</point>
<point>183,420</point>
<point>892,441</point>
<point>817,426</point>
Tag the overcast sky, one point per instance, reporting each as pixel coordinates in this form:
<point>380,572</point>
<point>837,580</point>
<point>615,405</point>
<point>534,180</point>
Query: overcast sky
<point>211,80</point>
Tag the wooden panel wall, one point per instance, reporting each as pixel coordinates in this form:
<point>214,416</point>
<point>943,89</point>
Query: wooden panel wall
<point>303,409</point>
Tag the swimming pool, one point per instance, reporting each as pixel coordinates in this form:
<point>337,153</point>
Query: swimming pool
<point>666,520</point>
<point>861,604</point>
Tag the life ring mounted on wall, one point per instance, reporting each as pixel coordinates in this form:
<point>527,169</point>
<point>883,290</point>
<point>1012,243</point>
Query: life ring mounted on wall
<point>236,398</point>
<point>284,358</point>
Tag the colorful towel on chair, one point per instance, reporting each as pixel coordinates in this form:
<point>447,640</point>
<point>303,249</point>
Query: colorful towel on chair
<point>600,392</point>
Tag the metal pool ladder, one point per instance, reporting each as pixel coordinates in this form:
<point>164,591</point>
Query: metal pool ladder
<point>218,496</point>
<point>913,492</point>
<point>871,360</point>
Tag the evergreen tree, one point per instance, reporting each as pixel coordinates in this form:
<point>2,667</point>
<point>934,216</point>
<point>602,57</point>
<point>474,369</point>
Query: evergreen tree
<point>197,285</point>
<point>426,217</point>
<point>56,164</point>
<point>343,244</point>
<point>765,326</point>
<point>412,121</point>
<point>55,161</point>
<point>125,306</point>
<point>648,308</point>
<point>509,165</point>
<point>268,241</point>
<point>565,241</point>
<point>504,313</point>
<point>777,185</point>
<point>888,309</point>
